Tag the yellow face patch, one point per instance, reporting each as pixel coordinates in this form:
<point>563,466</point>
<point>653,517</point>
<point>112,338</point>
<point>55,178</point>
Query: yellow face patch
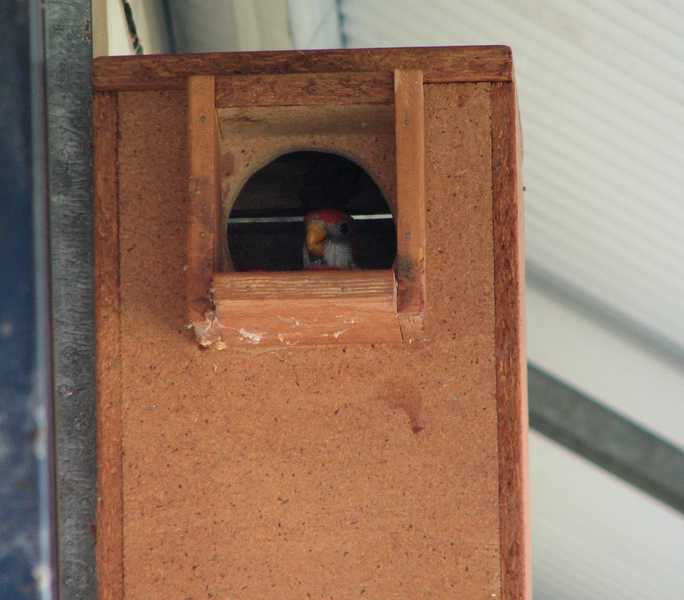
<point>315,238</point>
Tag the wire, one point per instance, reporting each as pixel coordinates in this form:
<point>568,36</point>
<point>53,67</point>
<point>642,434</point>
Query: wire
<point>132,30</point>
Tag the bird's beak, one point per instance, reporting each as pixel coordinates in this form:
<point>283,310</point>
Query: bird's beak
<point>315,236</point>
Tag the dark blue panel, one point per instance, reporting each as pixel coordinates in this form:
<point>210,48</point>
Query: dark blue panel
<point>27,555</point>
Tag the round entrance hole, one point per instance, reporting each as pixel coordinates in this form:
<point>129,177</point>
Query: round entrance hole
<point>266,226</point>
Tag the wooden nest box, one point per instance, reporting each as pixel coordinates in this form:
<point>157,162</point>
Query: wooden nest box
<point>346,433</point>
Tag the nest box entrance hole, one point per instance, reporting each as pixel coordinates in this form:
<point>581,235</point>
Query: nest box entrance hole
<point>265,229</point>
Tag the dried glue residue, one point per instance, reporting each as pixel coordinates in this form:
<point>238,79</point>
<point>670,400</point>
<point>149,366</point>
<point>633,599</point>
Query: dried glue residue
<point>291,321</point>
<point>253,337</point>
<point>285,340</point>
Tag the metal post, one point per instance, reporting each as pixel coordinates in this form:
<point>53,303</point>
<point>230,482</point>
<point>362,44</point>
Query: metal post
<point>69,52</point>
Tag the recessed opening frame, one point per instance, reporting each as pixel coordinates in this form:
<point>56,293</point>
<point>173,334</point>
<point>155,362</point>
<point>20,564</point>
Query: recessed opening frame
<point>284,105</point>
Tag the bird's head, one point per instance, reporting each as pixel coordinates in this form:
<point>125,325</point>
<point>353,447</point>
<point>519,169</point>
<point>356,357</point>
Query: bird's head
<point>329,239</point>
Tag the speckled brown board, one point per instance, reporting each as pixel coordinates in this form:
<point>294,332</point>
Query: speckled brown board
<point>323,472</point>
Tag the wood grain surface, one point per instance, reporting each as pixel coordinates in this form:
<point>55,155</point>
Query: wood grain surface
<point>304,89</point>
<point>109,528</point>
<point>307,307</point>
<point>511,364</point>
<point>261,121</point>
<point>440,65</point>
<point>204,192</point>
<point>409,126</point>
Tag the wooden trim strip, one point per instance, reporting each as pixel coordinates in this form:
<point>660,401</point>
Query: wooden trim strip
<point>307,307</point>
<point>203,196</point>
<point>266,121</point>
<point>340,285</point>
<point>511,367</point>
<point>302,89</point>
<point>409,106</point>
<point>109,547</point>
<point>439,64</point>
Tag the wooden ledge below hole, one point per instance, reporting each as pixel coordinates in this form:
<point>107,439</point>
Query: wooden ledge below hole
<point>306,307</point>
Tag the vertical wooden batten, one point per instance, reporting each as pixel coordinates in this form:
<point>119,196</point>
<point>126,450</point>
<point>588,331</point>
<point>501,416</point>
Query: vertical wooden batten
<point>203,203</point>
<point>409,106</point>
<point>109,528</point>
<point>511,367</point>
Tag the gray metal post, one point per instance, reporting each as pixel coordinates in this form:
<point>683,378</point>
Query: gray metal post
<point>69,52</point>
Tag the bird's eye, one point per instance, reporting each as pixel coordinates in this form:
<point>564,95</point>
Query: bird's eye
<point>344,228</point>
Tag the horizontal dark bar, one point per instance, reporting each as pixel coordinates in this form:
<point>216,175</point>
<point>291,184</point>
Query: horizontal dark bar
<point>606,438</point>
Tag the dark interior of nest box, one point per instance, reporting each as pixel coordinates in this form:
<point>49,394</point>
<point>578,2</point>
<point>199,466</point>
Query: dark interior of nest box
<point>265,229</point>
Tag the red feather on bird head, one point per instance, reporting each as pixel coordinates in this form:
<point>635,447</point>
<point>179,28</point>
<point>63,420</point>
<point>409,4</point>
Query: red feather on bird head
<point>328,215</point>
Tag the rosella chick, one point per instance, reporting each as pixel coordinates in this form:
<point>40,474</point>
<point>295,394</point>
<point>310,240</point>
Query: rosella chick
<point>329,242</point>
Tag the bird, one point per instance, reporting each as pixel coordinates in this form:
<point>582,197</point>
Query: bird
<point>329,241</point>
<point>329,186</point>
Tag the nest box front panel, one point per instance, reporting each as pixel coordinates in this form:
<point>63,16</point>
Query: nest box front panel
<point>378,468</point>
